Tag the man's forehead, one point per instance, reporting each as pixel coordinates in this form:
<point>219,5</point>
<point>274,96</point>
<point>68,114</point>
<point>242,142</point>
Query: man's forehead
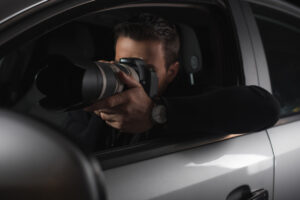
<point>145,49</point>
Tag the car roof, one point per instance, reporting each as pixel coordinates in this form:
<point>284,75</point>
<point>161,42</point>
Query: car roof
<point>11,8</point>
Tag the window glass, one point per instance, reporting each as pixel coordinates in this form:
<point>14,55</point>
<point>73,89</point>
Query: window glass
<point>280,35</point>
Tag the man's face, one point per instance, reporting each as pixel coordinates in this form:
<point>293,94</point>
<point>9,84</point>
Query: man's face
<point>152,53</point>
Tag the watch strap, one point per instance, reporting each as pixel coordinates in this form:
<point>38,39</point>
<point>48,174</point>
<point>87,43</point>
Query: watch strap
<point>159,111</point>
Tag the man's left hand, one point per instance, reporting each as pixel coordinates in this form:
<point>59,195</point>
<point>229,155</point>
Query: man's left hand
<point>128,111</point>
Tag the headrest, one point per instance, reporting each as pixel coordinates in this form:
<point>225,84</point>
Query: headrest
<point>190,52</point>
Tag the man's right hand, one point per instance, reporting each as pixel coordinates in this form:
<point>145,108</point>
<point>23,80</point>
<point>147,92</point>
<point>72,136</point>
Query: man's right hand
<point>129,111</point>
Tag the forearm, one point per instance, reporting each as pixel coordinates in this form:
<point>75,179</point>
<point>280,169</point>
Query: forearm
<point>226,110</point>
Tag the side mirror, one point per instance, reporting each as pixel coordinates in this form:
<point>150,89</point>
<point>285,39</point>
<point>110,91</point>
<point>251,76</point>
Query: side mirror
<point>38,163</point>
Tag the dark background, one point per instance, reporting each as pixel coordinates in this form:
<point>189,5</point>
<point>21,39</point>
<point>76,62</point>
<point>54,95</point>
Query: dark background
<point>295,2</point>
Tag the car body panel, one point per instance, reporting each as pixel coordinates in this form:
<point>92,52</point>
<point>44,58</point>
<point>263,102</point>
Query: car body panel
<point>285,136</point>
<point>207,172</point>
<point>285,141</point>
<point>259,53</point>
<point>200,172</point>
<point>249,65</point>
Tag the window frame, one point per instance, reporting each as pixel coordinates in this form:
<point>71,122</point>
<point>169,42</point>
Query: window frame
<point>260,56</point>
<point>125,155</point>
<point>45,21</point>
<point>40,20</point>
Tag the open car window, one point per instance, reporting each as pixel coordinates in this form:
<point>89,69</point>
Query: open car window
<point>91,38</point>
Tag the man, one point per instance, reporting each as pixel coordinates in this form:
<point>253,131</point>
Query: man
<point>131,113</point>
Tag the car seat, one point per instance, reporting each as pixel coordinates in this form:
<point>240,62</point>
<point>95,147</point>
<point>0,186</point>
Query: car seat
<point>190,59</point>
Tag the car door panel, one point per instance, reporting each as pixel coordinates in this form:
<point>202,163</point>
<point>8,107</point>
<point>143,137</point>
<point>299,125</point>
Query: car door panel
<point>275,33</point>
<point>207,172</point>
<point>285,141</point>
<point>249,68</point>
<point>259,54</point>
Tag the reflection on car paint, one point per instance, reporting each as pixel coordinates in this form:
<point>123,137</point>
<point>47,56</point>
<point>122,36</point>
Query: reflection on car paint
<point>254,163</point>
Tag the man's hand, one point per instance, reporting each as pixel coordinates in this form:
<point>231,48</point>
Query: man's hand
<point>129,111</point>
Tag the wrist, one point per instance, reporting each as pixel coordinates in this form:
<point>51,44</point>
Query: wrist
<point>159,112</point>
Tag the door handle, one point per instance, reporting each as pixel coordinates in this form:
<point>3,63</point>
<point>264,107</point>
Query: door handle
<point>259,195</point>
<point>244,193</point>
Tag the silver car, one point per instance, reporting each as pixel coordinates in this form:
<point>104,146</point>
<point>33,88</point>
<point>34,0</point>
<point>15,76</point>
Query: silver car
<point>243,42</point>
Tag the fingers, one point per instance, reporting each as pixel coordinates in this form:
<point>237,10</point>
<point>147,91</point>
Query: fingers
<point>113,120</point>
<point>109,113</point>
<point>129,81</point>
<point>106,61</point>
<point>111,117</point>
<point>109,110</point>
<point>109,102</point>
<point>116,125</point>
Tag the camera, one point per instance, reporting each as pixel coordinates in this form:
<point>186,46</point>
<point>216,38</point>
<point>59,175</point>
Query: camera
<point>70,84</point>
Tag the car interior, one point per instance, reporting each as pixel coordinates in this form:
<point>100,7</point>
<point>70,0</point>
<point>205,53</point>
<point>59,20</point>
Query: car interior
<point>91,37</point>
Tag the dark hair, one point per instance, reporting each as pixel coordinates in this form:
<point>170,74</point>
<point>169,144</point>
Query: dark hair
<point>151,27</point>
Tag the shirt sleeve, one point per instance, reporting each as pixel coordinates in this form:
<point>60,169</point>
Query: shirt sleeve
<point>228,110</point>
<point>85,129</point>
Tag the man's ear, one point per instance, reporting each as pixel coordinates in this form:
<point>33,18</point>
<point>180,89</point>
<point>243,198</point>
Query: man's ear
<point>172,71</point>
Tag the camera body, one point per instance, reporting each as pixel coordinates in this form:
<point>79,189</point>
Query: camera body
<point>81,83</point>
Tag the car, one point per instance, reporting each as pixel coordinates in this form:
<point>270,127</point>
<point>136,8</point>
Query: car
<point>242,42</point>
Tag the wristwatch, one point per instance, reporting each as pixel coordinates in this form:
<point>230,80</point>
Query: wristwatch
<point>159,113</point>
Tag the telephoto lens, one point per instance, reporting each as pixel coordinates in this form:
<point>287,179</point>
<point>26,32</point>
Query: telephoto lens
<point>73,84</point>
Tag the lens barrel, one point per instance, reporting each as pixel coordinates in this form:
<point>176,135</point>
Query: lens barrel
<point>70,85</point>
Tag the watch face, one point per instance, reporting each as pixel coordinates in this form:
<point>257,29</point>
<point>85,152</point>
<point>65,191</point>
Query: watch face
<point>159,114</point>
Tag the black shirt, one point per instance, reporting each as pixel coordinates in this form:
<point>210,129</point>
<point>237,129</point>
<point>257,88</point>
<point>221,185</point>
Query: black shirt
<point>238,109</point>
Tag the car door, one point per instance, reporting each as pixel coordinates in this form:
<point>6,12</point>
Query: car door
<point>206,167</point>
<point>196,168</point>
<point>276,33</point>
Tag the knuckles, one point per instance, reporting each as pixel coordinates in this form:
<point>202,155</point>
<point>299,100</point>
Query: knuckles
<point>110,103</point>
<point>119,125</point>
<point>131,110</point>
<point>126,110</point>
